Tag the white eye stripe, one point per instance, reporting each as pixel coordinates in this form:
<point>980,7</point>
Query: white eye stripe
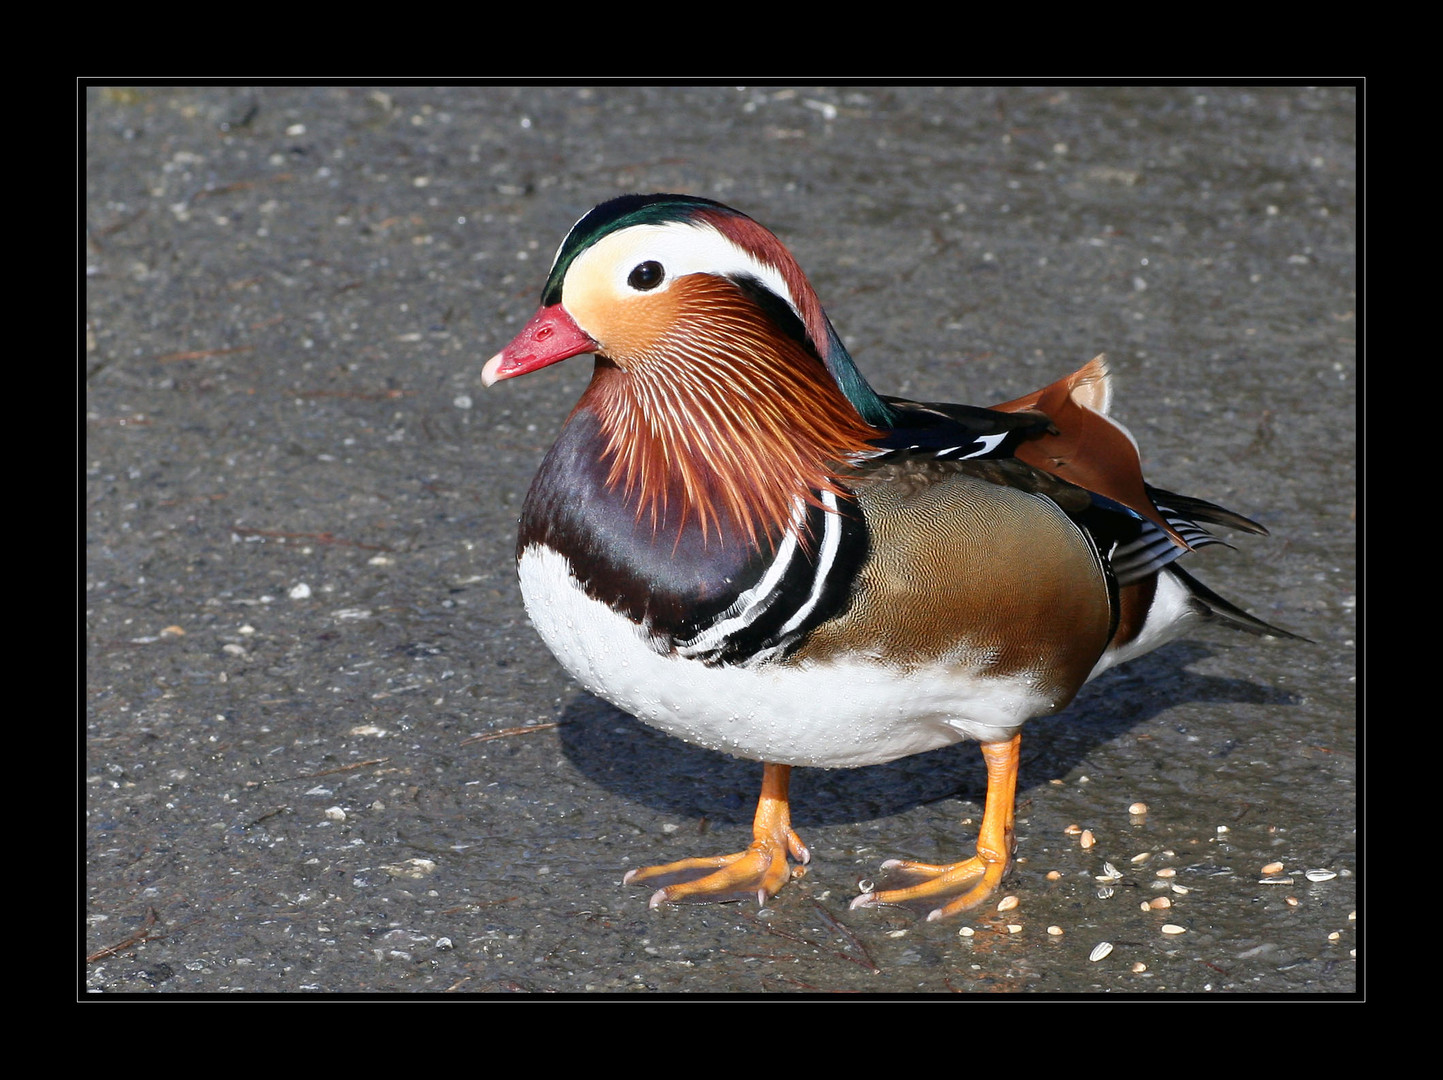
<point>681,249</point>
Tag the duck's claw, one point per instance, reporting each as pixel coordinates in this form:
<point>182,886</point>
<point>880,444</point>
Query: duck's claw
<point>976,878</point>
<point>759,871</point>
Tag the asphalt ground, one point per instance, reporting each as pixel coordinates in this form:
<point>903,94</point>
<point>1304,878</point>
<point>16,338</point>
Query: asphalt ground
<point>323,750</point>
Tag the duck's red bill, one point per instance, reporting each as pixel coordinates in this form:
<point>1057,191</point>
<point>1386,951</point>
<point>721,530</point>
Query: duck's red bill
<point>550,337</point>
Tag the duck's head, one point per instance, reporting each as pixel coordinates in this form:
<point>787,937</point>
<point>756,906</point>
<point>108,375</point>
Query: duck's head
<point>720,384</point>
<point>639,272</point>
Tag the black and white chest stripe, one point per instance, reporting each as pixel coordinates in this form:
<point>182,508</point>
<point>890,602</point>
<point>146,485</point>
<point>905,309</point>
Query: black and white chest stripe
<point>805,584</point>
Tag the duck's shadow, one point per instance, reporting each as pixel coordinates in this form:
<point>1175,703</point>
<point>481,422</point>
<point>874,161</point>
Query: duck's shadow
<point>645,766</point>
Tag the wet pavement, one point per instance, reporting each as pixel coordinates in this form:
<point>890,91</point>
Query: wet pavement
<point>326,753</point>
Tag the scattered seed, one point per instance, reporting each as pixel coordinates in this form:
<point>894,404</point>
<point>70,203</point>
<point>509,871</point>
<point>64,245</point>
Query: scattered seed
<point>1073,830</point>
<point>1167,872</point>
<point>1007,903</point>
<point>1157,903</point>
<point>1223,829</point>
<point>1173,928</point>
<point>1100,951</point>
<point>1320,875</point>
<point>1137,809</point>
<point>1141,857</point>
<point>1181,890</point>
<point>1275,881</point>
<point>1138,968</point>
<point>1352,915</point>
<point>1109,873</point>
<point>1053,875</point>
<point>1055,931</point>
<point>965,931</point>
<point>1291,901</point>
<point>1334,936</point>
<point>1087,838</point>
<point>1272,868</point>
<point>1105,893</point>
<point>1014,928</point>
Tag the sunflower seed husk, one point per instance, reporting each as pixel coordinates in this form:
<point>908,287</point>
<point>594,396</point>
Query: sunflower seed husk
<point>1100,951</point>
<point>1320,875</point>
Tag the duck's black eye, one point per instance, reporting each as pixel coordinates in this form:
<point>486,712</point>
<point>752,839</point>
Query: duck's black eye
<point>646,276</point>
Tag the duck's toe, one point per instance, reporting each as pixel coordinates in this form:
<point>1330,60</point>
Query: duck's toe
<point>759,871</point>
<point>963,885</point>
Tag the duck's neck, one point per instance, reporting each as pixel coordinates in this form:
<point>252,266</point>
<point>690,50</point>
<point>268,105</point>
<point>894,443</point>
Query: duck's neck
<point>723,427</point>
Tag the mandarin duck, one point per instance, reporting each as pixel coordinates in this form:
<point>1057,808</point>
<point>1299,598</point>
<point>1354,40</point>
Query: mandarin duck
<point>738,541</point>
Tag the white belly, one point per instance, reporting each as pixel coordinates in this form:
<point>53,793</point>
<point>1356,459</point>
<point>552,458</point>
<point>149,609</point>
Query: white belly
<point>833,715</point>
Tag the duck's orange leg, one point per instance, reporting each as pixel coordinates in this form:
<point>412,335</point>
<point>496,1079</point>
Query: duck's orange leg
<point>978,877</point>
<point>758,871</point>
